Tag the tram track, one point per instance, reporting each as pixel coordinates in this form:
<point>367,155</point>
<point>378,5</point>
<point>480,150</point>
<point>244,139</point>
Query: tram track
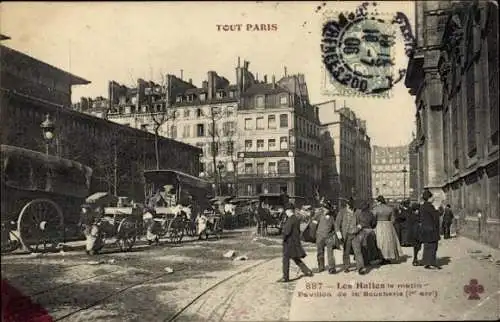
<point>215,286</point>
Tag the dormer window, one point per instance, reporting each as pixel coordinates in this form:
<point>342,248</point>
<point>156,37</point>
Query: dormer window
<point>190,97</point>
<point>221,94</point>
<point>260,101</point>
<point>284,100</point>
<point>178,99</point>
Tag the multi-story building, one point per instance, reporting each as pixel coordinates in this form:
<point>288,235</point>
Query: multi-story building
<point>280,136</point>
<point>203,117</point>
<point>31,89</point>
<point>256,136</point>
<point>454,76</point>
<point>346,154</point>
<point>390,168</point>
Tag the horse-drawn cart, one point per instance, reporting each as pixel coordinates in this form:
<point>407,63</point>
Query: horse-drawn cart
<point>174,201</point>
<point>109,218</point>
<point>41,197</point>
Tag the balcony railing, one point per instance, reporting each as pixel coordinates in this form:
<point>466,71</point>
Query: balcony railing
<point>263,174</point>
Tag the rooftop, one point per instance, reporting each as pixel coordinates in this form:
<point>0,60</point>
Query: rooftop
<point>21,58</point>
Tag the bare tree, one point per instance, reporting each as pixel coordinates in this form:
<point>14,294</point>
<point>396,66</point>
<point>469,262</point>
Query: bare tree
<point>160,116</point>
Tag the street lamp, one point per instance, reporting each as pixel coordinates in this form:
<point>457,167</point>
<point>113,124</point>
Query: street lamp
<point>220,166</point>
<point>48,128</point>
<point>404,171</point>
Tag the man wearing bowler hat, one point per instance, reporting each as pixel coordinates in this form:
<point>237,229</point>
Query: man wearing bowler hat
<point>292,247</point>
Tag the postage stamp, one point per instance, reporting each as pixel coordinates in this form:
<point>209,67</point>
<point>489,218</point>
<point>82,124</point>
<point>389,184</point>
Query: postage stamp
<point>364,51</point>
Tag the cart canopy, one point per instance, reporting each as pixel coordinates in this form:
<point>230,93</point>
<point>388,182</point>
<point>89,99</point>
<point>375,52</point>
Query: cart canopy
<point>101,199</point>
<point>35,171</point>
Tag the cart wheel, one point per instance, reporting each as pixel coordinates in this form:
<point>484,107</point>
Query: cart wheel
<point>41,225</point>
<point>127,234</point>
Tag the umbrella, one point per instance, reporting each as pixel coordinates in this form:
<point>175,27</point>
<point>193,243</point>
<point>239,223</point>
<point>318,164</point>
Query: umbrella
<point>101,199</point>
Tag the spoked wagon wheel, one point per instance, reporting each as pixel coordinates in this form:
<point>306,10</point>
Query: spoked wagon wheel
<point>127,234</point>
<point>176,231</point>
<point>41,225</point>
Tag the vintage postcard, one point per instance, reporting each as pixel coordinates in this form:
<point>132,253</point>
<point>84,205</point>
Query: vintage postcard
<point>249,161</point>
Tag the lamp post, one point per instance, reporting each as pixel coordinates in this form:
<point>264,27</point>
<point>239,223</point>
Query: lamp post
<point>241,160</point>
<point>48,128</point>
<point>404,171</point>
<point>220,166</point>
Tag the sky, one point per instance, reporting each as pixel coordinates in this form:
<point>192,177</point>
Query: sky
<point>129,40</point>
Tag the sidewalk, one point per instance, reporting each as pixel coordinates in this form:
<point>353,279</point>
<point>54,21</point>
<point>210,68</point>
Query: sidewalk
<point>417,293</point>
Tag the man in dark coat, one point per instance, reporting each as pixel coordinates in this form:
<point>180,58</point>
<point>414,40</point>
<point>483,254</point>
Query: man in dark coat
<point>292,247</point>
<point>447,220</point>
<point>347,226</point>
<point>429,231</point>
<point>324,238</point>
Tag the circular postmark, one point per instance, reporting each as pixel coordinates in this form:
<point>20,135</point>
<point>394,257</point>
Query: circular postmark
<point>362,51</point>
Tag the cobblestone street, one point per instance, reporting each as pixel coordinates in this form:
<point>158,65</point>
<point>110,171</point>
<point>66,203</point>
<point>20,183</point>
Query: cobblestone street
<point>205,286</point>
<point>418,294</point>
<point>135,286</point>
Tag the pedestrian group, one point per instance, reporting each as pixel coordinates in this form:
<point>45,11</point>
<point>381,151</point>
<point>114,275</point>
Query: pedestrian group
<point>374,235</point>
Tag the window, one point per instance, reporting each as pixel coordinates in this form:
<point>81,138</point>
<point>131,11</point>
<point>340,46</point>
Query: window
<point>230,148</point>
<point>283,167</point>
<point>231,94</point>
<point>272,167</point>
<point>173,130</point>
<point>260,123</point>
<point>283,120</point>
<point>178,99</point>
<point>248,168</point>
<point>228,128</point>
<point>186,131</point>
<point>248,124</point>
<point>199,112</point>
<point>260,168</point>
<point>186,113</point>
<point>283,143</point>
<point>471,111</point>
<point>492,41</point>
<point>260,145</point>
<point>260,101</point>
<point>271,143</point>
<point>248,145</point>
<point>200,130</point>
<point>221,94</point>
<point>271,121</point>
<point>283,100</point>
<point>229,112</point>
<point>203,96</point>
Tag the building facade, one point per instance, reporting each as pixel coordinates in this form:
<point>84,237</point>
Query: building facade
<point>280,139</point>
<point>454,77</point>
<point>390,172</point>
<point>346,153</point>
<point>254,134</point>
<point>117,154</point>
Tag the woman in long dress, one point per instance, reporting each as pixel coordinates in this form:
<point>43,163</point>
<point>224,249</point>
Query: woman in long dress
<point>387,238</point>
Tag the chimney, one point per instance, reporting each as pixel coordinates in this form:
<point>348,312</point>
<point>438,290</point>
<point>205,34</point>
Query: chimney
<point>191,81</point>
<point>182,74</point>
<point>239,62</point>
<point>204,84</point>
<point>265,79</point>
<point>211,84</point>
<point>316,109</point>
<point>274,81</point>
<point>285,72</point>
<point>257,77</point>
